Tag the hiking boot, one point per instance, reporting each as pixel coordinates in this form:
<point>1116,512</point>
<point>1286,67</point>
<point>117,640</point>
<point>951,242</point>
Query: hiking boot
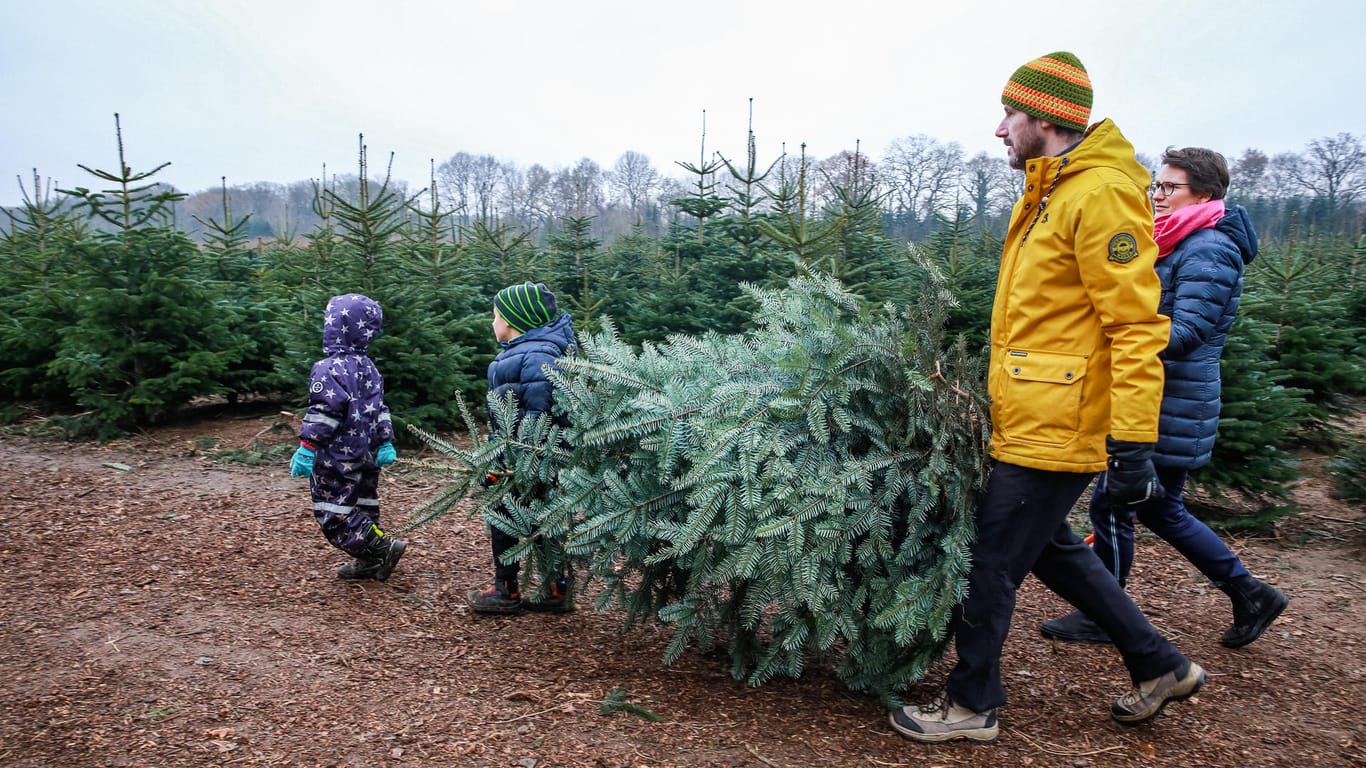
<point>558,601</point>
<point>945,721</point>
<point>1255,605</point>
<point>377,564</point>
<point>1147,700</point>
<point>1075,627</point>
<point>501,596</point>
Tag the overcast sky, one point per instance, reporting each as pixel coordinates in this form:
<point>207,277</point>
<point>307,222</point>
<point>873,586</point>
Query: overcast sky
<point>273,90</point>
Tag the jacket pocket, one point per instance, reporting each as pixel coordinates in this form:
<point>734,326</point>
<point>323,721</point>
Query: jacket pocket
<point>1043,398</point>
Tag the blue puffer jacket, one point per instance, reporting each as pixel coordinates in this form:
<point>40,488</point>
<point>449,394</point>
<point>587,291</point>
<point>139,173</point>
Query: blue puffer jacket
<point>1202,282</point>
<point>519,368</point>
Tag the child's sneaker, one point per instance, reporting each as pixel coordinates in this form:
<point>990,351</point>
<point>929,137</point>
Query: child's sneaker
<point>501,596</point>
<point>558,601</point>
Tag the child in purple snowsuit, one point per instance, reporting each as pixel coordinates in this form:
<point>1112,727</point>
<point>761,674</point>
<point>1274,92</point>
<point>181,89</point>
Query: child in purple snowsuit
<point>348,429</point>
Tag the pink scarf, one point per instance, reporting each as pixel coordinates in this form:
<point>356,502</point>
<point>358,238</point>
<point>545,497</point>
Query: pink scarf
<point>1171,229</point>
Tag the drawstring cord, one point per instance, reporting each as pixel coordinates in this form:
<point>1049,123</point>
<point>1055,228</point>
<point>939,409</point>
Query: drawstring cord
<point>1043,201</point>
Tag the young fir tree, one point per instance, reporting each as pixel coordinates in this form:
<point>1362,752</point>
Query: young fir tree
<point>147,332</point>
<point>132,203</point>
<point>749,256</point>
<point>747,197</point>
<point>707,245</point>
<point>237,275</point>
<point>577,277</point>
<point>36,270</point>
<point>968,258</point>
<point>1258,422</point>
<point>436,267</point>
<point>702,202</point>
<point>415,351</point>
<point>810,240</point>
<point>865,260</point>
<point>801,493</point>
<point>756,259</point>
<point>368,228</point>
<point>1298,291</point>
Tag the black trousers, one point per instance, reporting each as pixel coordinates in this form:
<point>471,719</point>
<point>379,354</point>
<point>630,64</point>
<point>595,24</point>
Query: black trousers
<point>1021,528</point>
<point>502,542</point>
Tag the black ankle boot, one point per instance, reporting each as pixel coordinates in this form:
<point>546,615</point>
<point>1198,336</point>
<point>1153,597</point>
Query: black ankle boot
<point>1255,605</point>
<point>377,563</point>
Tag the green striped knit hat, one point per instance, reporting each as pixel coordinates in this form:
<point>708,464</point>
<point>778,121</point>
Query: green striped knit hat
<point>526,306</point>
<point>1054,88</point>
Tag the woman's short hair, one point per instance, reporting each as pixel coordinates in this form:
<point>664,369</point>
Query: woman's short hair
<point>1206,170</point>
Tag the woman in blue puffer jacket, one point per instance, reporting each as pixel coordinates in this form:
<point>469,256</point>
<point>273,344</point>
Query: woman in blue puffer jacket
<point>1203,248</point>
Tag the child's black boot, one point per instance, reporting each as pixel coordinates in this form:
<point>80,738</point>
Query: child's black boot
<point>377,563</point>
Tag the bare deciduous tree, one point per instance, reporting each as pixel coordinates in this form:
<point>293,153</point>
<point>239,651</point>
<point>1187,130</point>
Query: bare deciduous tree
<point>1332,169</point>
<point>1280,176</point>
<point>632,179</point>
<point>577,191</point>
<point>1248,174</point>
<point>847,170</point>
<point>471,183</point>
<point>922,174</point>
<point>988,186</point>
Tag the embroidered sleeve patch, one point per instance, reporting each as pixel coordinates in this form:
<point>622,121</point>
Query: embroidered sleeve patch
<point>1123,248</point>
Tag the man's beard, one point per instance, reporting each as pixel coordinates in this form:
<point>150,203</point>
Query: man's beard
<point>1029,144</point>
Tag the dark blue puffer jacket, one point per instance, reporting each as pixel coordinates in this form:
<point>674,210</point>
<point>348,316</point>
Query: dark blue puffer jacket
<point>1202,283</point>
<point>520,367</point>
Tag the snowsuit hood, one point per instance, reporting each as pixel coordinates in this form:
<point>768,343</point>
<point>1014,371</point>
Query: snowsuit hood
<point>350,323</point>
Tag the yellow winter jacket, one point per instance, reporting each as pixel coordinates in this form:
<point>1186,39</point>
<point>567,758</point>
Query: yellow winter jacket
<point>1075,331</point>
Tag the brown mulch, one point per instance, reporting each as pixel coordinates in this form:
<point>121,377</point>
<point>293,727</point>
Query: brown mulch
<point>162,606</point>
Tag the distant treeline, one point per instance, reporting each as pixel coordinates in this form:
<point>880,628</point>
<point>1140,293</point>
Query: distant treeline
<point>918,182</point>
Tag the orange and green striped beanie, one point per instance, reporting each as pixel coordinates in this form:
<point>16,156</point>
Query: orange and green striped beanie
<point>1054,88</point>
<point>526,306</point>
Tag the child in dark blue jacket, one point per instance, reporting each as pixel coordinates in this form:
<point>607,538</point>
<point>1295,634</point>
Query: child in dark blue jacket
<point>534,334</point>
<point>346,437</point>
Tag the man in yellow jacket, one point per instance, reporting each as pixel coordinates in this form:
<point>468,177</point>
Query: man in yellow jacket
<point>1076,386</point>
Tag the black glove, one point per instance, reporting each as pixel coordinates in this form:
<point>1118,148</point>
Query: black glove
<point>1130,477</point>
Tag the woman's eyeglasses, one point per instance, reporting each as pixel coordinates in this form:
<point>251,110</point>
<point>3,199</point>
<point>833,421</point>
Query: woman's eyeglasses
<point>1167,187</point>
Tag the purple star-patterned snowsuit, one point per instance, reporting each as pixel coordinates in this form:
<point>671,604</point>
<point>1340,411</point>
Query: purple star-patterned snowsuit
<point>346,422</point>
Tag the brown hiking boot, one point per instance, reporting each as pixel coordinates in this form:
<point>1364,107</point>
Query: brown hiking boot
<point>1147,700</point>
<point>944,720</point>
